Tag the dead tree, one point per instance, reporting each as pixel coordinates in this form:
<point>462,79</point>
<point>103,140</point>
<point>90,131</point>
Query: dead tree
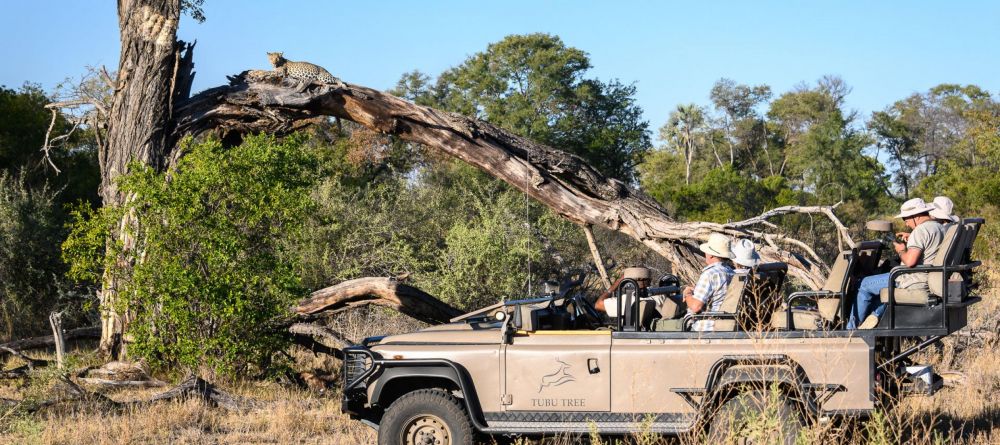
<point>262,101</point>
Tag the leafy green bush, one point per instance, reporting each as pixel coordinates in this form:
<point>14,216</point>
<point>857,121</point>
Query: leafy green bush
<point>214,267</point>
<point>30,233</point>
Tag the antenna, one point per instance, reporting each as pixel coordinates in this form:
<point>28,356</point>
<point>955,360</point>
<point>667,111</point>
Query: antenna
<point>527,215</point>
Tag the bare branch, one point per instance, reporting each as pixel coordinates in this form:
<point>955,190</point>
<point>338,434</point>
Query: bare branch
<point>825,210</point>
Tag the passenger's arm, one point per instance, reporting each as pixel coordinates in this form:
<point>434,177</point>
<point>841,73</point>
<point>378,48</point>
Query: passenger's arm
<point>599,304</point>
<point>910,257</point>
<point>696,298</point>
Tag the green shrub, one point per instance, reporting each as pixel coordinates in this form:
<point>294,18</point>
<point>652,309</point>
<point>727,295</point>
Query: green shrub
<point>30,268</point>
<point>214,267</point>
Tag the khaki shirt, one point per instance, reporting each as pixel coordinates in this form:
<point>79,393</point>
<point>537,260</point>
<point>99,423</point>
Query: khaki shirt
<point>927,237</point>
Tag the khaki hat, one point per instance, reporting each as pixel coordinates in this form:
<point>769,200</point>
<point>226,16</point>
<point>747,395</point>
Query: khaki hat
<point>914,206</point>
<point>745,253</point>
<point>637,273</point>
<point>943,208</point>
<point>717,245</point>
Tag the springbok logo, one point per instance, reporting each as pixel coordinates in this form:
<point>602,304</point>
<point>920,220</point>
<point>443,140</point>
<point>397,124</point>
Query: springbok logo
<point>560,377</point>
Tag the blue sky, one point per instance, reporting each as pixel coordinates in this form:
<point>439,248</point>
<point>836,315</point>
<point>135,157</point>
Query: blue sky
<point>673,51</point>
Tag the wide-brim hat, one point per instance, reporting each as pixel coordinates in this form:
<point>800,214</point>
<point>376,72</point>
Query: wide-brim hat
<point>943,209</point>
<point>637,273</point>
<point>914,206</point>
<point>745,253</point>
<point>717,245</point>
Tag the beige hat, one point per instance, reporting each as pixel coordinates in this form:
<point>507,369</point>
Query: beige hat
<point>943,208</point>
<point>717,245</point>
<point>744,253</point>
<point>914,206</point>
<point>637,273</point>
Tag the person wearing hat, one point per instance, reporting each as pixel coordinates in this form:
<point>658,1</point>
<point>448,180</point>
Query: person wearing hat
<point>744,254</point>
<point>943,211</point>
<point>710,290</point>
<point>641,275</point>
<point>921,247</point>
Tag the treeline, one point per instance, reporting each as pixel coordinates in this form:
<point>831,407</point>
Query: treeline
<point>238,233</point>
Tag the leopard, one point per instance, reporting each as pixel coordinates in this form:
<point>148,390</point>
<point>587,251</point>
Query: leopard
<point>300,70</point>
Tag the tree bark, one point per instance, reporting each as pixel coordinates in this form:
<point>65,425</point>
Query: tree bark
<point>387,292</point>
<point>262,101</point>
<point>152,77</point>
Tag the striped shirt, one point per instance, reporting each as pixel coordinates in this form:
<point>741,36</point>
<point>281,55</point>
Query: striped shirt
<point>711,290</point>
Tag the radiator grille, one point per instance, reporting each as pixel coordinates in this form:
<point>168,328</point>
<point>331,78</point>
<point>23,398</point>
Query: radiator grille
<point>355,364</point>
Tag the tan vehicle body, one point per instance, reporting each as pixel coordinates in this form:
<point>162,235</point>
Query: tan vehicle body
<point>552,381</point>
<point>549,365</point>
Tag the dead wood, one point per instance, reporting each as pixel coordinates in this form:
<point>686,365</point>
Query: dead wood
<point>46,341</point>
<point>321,339</point>
<point>195,387</point>
<point>261,101</point>
<point>67,391</point>
<point>388,292</point>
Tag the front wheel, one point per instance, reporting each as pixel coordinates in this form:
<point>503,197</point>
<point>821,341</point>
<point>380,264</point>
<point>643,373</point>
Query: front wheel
<point>425,417</point>
<point>754,417</point>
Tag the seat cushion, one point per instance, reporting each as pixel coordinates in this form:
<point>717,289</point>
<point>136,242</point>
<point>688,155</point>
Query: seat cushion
<point>669,325</point>
<point>803,319</point>
<point>904,295</point>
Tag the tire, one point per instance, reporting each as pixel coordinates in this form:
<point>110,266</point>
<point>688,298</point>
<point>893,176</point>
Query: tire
<point>425,417</point>
<point>741,420</point>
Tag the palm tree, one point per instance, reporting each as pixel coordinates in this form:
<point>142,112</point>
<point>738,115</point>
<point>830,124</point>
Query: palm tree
<point>680,132</point>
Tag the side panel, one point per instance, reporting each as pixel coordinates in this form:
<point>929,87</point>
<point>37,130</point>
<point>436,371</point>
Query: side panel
<point>480,358</point>
<point>647,369</point>
<point>559,371</point>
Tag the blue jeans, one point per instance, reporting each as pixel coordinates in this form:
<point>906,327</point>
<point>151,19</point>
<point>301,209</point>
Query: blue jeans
<point>868,299</point>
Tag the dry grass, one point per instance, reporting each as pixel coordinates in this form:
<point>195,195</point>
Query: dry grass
<point>967,411</point>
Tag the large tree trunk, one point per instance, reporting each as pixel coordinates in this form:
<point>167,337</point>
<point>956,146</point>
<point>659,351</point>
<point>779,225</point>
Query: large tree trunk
<point>152,75</point>
<point>260,101</point>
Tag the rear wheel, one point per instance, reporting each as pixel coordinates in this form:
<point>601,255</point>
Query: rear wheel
<point>425,417</point>
<point>754,417</point>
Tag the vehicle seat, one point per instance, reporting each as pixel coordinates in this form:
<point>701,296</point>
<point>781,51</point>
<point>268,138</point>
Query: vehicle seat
<point>953,246</point>
<point>828,300</point>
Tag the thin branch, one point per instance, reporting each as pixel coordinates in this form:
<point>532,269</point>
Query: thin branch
<point>825,210</point>
<point>597,256</point>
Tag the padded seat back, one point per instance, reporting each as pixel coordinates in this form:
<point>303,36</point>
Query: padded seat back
<point>948,254</point>
<point>731,301</point>
<point>762,296</point>
<point>837,279</point>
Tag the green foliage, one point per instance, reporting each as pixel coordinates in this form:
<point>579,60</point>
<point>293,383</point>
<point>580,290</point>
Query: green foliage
<point>215,267</point>
<point>485,259</point>
<point>534,85</point>
<point>23,123</point>
<point>30,232</point>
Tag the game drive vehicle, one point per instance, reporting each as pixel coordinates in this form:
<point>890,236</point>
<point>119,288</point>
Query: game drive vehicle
<point>550,365</point>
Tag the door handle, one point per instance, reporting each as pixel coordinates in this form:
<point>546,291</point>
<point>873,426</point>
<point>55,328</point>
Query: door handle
<point>592,366</point>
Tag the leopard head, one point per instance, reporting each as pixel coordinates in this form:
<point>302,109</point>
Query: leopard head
<point>277,59</point>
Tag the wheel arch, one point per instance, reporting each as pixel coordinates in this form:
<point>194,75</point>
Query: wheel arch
<point>733,375</point>
<point>399,377</point>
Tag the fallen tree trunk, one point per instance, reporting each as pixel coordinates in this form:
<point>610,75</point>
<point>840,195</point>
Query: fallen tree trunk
<point>388,292</point>
<point>262,101</point>
<point>46,341</point>
<point>191,387</point>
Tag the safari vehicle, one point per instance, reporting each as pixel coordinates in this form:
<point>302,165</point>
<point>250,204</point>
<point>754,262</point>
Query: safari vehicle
<point>552,364</point>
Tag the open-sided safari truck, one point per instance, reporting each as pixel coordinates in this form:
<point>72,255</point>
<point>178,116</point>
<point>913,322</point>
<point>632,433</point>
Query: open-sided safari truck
<point>550,365</point>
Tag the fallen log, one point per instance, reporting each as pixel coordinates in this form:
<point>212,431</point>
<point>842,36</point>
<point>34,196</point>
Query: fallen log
<point>263,101</point>
<point>191,387</point>
<point>387,292</point>
<point>318,338</point>
<point>46,341</point>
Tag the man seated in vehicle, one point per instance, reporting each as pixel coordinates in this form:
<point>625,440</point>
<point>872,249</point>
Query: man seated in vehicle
<point>710,290</point>
<point>921,247</point>
<point>608,304</point>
